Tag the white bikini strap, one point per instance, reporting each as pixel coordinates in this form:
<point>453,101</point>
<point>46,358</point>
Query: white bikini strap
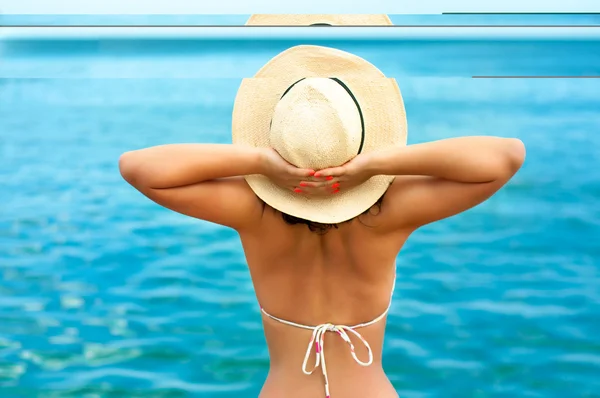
<point>360,325</point>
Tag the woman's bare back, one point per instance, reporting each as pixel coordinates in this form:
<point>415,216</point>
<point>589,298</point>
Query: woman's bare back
<point>343,277</point>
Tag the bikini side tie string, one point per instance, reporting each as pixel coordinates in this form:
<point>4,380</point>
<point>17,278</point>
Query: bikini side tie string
<point>318,340</point>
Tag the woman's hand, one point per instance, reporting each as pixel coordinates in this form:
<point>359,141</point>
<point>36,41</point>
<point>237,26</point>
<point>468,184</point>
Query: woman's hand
<point>321,183</point>
<point>346,176</point>
<point>282,173</point>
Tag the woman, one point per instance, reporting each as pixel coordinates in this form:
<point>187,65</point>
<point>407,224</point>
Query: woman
<point>323,192</point>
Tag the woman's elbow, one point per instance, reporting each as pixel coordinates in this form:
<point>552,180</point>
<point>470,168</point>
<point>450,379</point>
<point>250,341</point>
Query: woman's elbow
<point>511,158</point>
<point>129,167</point>
<point>515,154</point>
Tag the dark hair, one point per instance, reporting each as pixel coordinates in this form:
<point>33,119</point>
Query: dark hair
<point>321,228</point>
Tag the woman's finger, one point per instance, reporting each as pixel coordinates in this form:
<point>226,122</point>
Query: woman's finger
<point>330,173</point>
<point>301,173</point>
<point>313,184</point>
<point>323,190</point>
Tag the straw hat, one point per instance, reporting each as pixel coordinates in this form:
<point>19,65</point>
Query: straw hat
<point>319,107</point>
<point>318,19</point>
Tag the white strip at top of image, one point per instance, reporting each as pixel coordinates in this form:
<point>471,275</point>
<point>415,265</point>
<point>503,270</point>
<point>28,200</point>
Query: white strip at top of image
<point>119,7</point>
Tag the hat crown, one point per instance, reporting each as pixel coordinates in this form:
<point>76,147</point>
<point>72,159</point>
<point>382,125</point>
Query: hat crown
<point>316,125</point>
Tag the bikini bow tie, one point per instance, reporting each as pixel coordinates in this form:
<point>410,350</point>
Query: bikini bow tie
<point>318,341</point>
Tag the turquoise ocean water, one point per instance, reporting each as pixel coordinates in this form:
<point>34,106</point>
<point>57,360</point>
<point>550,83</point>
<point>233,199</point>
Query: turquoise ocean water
<point>105,294</point>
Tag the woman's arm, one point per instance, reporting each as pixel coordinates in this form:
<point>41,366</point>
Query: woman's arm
<point>176,165</point>
<point>464,159</point>
<point>198,180</point>
<point>437,179</point>
<point>206,181</point>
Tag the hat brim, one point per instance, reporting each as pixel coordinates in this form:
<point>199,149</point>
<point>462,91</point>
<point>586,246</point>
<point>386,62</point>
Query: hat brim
<point>380,101</point>
<point>310,19</point>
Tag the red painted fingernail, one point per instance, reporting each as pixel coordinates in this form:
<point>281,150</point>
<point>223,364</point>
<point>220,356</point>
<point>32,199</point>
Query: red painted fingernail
<point>312,173</point>
<point>336,191</point>
<point>329,178</point>
<point>297,190</point>
<point>316,175</point>
<point>303,184</point>
<point>335,185</point>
